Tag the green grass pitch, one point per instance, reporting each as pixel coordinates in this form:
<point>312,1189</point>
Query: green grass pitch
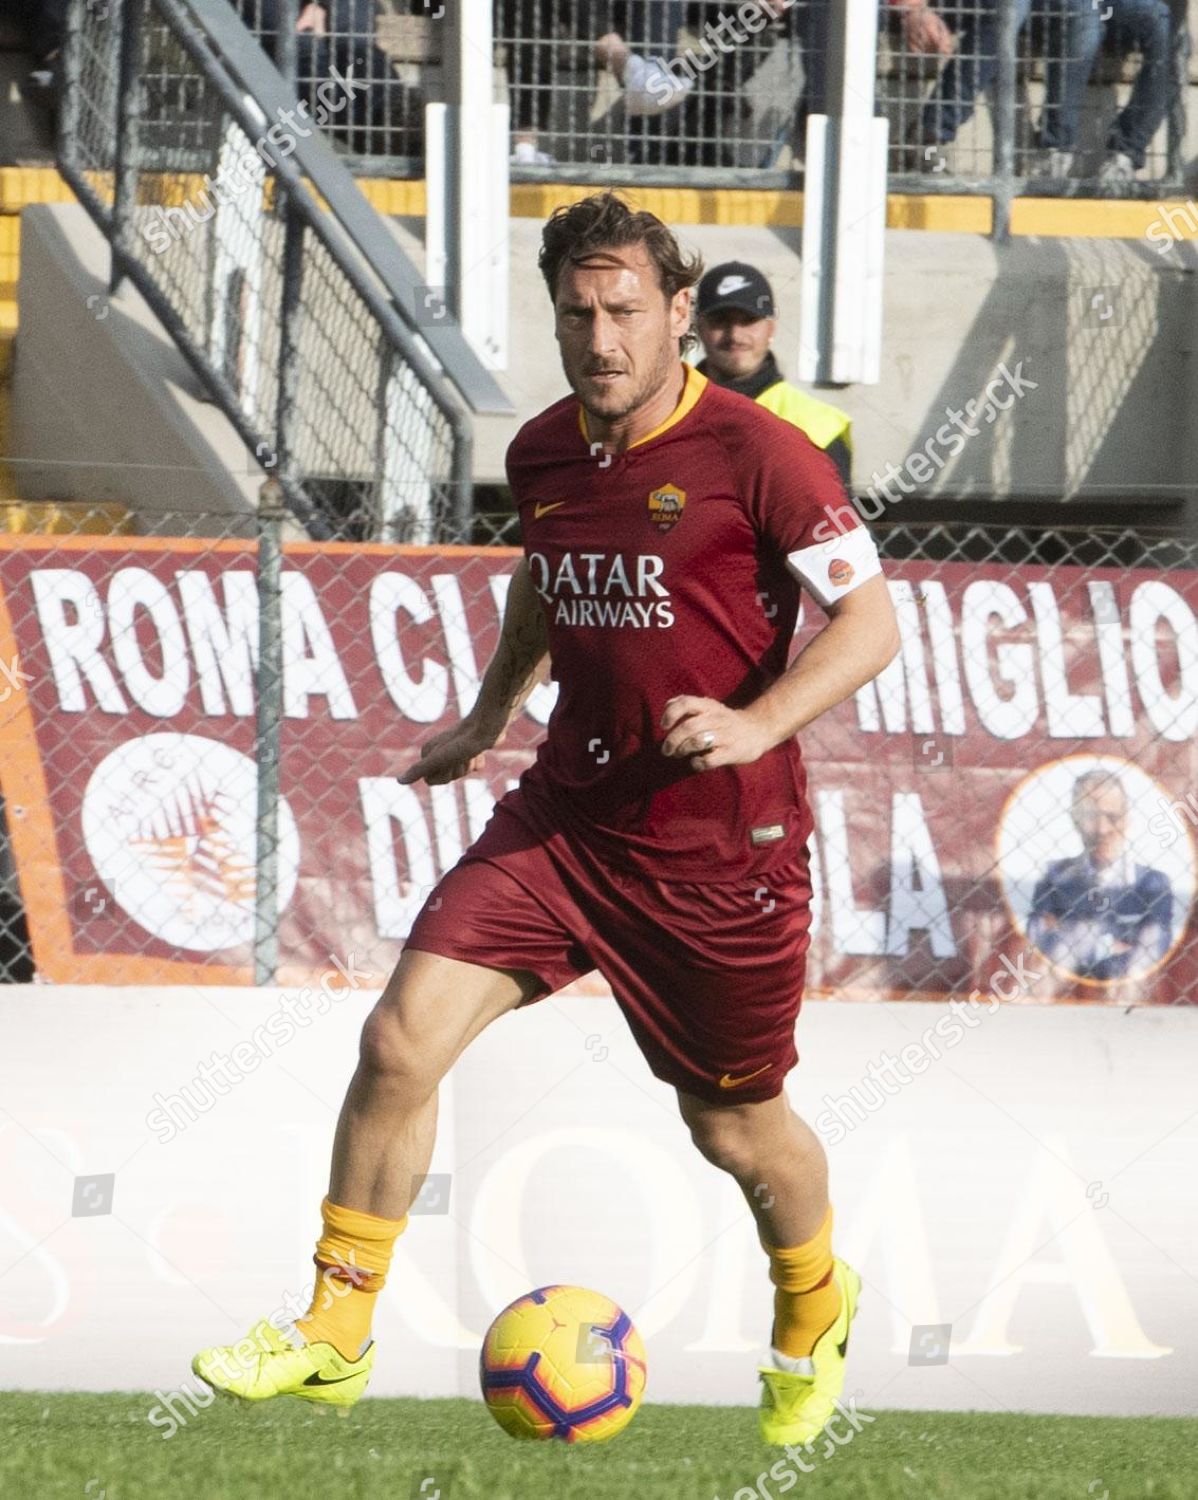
<point>101,1447</point>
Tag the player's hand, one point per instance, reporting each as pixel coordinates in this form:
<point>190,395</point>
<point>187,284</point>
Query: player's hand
<point>455,752</point>
<point>710,734</point>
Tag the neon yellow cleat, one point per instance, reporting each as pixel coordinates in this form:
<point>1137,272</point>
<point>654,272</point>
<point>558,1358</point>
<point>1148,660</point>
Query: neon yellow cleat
<point>796,1405</point>
<point>266,1363</point>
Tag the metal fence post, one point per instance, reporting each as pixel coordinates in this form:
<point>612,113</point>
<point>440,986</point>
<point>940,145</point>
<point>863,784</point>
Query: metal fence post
<point>269,694</point>
<point>1179,75</point>
<point>128,161</point>
<point>290,312</point>
<point>71,95</point>
<point>286,46</point>
<point>1004,118</point>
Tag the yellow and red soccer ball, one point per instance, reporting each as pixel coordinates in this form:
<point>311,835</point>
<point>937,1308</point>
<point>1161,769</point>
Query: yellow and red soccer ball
<point>563,1362</point>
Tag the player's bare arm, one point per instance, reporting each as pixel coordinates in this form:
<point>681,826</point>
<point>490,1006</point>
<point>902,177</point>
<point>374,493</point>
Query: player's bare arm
<point>513,672</point>
<point>860,638</point>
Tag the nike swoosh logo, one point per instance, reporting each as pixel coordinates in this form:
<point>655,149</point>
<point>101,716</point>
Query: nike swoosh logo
<point>317,1379</point>
<point>543,510</point>
<point>728,1082</point>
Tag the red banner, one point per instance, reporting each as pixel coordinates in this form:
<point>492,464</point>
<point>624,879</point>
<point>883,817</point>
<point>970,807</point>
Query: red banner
<point>1008,809</point>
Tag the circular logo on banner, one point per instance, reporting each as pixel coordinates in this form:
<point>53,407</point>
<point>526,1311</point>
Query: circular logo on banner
<point>1098,879</point>
<point>168,820</point>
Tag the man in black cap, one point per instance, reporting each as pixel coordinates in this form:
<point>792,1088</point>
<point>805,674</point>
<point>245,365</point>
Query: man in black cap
<point>736,322</point>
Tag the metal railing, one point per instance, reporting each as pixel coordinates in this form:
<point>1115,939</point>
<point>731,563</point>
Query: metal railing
<point>990,96</point>
<point>392,53</point>
<point>996,97</point>
<point>1061,97</point>
<point>273,275</point>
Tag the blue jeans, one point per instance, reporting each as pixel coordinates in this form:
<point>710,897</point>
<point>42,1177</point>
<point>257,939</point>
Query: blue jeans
<point>811,25</point>
<point>972,69</point>
<point>1076,32</point>
<point>1143,26</point>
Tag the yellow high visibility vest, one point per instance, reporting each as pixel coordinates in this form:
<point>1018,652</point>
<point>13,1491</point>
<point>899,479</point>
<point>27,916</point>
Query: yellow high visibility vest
<point>820,420</point>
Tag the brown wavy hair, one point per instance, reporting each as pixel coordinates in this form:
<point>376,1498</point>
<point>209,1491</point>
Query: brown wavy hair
<point>575,232</point>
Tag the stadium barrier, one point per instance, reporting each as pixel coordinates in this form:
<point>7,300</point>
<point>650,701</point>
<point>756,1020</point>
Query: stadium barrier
<point>1016,1187</point>
<point>1008,807</point>
<point>283,289</point>
<point>993,101</point>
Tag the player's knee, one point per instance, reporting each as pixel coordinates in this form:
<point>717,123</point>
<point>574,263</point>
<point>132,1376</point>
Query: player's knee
<point>389,1051</point>
<point>725,1139</point>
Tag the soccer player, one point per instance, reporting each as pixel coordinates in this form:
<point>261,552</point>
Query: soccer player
<point>1102,915</point>
<point>736,323</point>
<point>661,835</point>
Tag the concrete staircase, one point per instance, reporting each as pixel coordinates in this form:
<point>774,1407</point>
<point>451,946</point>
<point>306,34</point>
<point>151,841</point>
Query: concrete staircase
<point>18,187</point>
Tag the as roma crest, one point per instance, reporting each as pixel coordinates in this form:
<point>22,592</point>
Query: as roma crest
<point>665,506</point>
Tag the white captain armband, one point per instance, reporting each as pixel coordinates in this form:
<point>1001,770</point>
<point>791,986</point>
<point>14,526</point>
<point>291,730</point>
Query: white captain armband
<point>830,570</point>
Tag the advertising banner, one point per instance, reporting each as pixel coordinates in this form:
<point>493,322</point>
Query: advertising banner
<point>1007,809</point>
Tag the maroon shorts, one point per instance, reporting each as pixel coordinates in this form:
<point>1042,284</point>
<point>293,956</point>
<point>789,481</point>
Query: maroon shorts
<point>709,977</point>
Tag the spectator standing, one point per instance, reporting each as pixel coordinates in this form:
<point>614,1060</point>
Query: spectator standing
<point>1143,26</point>
<point>337,37</point>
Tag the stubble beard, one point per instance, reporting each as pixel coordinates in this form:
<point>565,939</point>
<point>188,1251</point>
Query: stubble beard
<point>653,381</point>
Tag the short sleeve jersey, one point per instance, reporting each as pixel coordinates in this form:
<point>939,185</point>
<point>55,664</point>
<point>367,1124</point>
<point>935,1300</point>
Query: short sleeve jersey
<point>676,567</point>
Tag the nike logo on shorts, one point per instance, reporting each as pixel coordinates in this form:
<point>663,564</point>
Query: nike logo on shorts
<point>540,510</point>
<point>728,1082</point>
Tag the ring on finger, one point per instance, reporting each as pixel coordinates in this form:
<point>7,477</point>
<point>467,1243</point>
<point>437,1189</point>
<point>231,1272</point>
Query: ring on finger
<point>708,741</point>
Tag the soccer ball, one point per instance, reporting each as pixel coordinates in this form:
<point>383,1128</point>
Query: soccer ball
<point>562,1362</point>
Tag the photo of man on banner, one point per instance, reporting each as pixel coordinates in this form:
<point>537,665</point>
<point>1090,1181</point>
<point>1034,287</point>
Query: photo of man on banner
<point>1114,909</point>
<point>1102,914</point>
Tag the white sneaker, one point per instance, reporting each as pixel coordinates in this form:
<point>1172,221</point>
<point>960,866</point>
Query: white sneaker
<point>1051,162</point>
<point>1118,167</point>
<point>526,154</point>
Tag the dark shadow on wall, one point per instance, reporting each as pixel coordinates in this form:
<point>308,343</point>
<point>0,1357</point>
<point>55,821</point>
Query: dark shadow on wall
<point>1087,344</point>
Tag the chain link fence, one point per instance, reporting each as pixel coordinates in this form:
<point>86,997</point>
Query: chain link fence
<point>391,51</point>
<point>1017,783</point>
<point>1052,92</point>
<point>256,282</point>
<point>1049,95</point>
<point>1056,94</point>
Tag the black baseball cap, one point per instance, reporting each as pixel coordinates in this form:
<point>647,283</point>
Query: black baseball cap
<point>735,284</point>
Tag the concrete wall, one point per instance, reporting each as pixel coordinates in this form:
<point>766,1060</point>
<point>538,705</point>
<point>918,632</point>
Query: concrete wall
<point>1103,331</point>
<point>103,406</point>
<point>1111,411</point>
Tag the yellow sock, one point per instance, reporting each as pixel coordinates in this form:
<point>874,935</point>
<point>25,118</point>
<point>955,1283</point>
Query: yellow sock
<point>807,1300</point>
<point>353,1256</point>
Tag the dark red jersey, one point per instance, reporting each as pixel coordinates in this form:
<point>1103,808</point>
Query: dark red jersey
<point>675,567</point>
